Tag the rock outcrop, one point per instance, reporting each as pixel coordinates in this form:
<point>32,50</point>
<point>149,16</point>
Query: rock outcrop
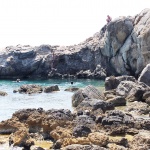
<point>120,48</point>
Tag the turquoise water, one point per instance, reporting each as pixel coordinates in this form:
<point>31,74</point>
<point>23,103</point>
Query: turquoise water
<point>58,100</point>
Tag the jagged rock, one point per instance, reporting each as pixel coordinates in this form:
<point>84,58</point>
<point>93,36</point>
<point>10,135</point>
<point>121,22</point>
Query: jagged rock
<point>81,130</point>
<point>139,108</point>
<point>116,117</point>
<point>131,90</point>
<point>142,123</point>
<point>10,126</point>
<point>21,138</point>
<point>45,121</point>
<point>145,75</point>
<point>84,120</point>
<point>30,89</point>
<point>88,92</point>
<point>116,147</point>
<point>112,82</point>
<point>94,106</point>
<point>3,93</point>
<point>141,141</point>
<point>120,48</point>
<point>98,138</point>
<point>117,101</point>
<point>146,97</point>
<point>51,89</point>
<point>60,133</point>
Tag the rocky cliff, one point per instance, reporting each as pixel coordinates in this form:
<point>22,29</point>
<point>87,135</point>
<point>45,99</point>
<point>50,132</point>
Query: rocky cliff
<point>122,47</point>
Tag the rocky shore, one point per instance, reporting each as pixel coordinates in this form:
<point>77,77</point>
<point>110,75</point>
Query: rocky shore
<point>117,118</point>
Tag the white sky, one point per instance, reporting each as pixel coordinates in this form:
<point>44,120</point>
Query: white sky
<point>59,22</point>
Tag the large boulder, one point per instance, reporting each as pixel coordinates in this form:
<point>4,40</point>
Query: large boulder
<point>112,82</point>
<point>116,117</point>
<point>89,92</point>
<point>30,89</point>
<point>145,75</point>
<point>50,89</point>
<point>132,91</point>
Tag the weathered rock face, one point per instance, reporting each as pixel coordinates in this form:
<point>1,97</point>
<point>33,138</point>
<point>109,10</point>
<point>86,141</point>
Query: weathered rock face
<point>89,92</point>
<point>145,75</point>
<point>120,48</point>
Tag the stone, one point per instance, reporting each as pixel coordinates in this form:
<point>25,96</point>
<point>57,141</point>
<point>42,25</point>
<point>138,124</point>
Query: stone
<point>3,93</point>
<point>30,89</point>
<point>72,89</point>
<point>117,101</point>
<point>112,82</point>
<point>51,89</point>
<point>60,133</point>
<point>141,141</point>
<point>97,138</point>
<point>81,130</point>
<point>138,108</point>
<point>21,138</point>
<point>116,117</point>
<point>132,91</point>
<point>89,92</point>
<point>83,147</point>
<point>145,75</point>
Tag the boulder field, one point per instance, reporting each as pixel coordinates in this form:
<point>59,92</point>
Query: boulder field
<point>116,118</point>
<point>121,47</point>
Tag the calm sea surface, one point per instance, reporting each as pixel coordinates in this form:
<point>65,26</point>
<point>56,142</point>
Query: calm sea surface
<point>58,100</point>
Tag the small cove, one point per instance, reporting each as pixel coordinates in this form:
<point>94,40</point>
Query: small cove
<point>57,100</point>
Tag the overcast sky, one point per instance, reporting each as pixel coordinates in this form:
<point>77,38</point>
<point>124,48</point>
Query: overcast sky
<point>59,22</point>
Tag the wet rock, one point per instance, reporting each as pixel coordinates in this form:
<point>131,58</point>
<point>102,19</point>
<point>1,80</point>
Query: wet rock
<point>83,147</point>
<point>72,89</point>
<point>81,130</point>
<point>51,89</point>
<point>79,140</point>
<point>3,93</point>
<point>112,82</point>
<point>30,89</point>
<point>145,75</point>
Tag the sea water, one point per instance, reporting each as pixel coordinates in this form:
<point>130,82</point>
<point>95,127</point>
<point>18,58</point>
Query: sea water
<point>57,100</point>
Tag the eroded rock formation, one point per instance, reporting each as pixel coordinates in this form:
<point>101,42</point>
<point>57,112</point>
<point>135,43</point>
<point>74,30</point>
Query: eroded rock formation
<point>120,48</point>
